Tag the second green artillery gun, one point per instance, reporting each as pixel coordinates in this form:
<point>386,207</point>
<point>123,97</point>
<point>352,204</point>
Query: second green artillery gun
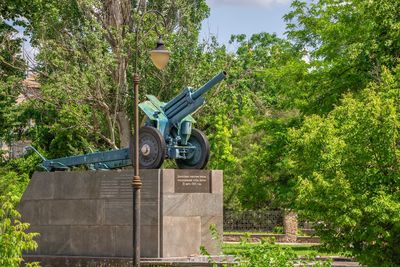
<point>168,133</point>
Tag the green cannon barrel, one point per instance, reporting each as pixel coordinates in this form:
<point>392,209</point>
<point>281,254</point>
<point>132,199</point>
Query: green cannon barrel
<point>211,83</point>
<point>187,101</point>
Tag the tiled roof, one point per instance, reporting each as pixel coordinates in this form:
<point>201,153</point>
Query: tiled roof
<point>30,81</point>
<point>31,88</point>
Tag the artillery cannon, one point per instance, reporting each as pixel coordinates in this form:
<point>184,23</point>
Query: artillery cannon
<point>168,133</point>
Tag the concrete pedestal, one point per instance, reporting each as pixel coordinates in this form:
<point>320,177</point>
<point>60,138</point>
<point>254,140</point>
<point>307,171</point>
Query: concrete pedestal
<point>90,213</point>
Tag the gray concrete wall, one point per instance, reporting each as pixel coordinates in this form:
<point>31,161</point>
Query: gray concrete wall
<point>90,214</point>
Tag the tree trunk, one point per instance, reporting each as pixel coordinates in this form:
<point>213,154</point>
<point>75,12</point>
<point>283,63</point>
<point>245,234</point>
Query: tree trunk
<point>124,129</point>
<point>119,19</point>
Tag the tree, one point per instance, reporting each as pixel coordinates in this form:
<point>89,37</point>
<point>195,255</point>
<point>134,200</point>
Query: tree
<point>347,43</point>
<point>247,95</point>
<point>12,69</point>
<point>347,169</point>
<point>14,238</point>
<point>265,67</point>
<point>87,55</point>
<point>339,167</point>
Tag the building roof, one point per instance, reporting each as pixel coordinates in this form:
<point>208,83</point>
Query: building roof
<point>31,88</point>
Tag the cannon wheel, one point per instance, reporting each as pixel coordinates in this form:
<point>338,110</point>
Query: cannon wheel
<point>197,159</point>
<point>152,148</point>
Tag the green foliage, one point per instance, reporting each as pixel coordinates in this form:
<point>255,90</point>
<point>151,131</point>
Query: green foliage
<point>23,166</point>
<point>338,167</point>
<point>14,238</point>
<point>248,95</point>
<point>348,173</point>
<point>268,181</point>
<point>12,69</point>
<point>278,230</point>
<point>310,122</point>
<point>307,251</point>
<point>267,253</point>
<point>221,144</point>
<point>87,53</point>
<point>346,44</point>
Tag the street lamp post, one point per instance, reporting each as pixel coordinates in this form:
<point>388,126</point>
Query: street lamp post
<point>159,57</point>
<point>136,180</point>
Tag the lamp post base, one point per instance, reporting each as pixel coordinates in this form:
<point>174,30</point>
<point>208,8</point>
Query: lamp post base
<point>136,186</point>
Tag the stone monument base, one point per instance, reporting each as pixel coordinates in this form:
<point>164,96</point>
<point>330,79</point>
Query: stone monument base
<point>89,213</point>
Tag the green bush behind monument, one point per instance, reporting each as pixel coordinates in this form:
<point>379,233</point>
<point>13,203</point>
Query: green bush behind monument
<point>14,238</point>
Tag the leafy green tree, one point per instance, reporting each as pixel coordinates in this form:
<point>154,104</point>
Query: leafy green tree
<point>88,53</point>
<point>347,43</point>
<point>14,238</point>
<point>268,182</point>
<point>87,56</point>
<point>236,104</point>
<point>265,67</point>
<point>262,67</point>
<point>12,69</point>
<point>347,169</point>
<point>339,168</point>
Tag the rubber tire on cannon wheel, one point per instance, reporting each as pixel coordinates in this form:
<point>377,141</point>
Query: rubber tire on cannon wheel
<point>154,156</point>
<point>201,155</point>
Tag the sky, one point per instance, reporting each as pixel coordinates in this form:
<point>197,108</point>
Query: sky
<point>244,16</point>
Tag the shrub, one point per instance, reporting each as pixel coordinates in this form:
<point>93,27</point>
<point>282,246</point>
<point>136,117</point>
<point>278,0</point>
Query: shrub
<point>14,238</point>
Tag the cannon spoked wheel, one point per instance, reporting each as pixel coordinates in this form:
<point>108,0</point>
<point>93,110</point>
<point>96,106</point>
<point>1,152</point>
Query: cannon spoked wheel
<point>152,148</point>
<point>198,157</point>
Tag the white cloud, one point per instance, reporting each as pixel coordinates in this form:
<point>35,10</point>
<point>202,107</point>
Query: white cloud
<point>252,3</point>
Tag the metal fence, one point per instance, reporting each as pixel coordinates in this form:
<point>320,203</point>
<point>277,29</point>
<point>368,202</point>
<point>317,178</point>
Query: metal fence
<point>260,221</point>
<point>304,224</point>
<point>253,221</point>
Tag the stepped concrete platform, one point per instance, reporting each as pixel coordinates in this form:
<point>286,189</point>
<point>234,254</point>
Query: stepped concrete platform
<point>89,213</point>
<point>192,261</point>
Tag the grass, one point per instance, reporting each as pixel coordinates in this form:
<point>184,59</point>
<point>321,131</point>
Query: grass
<point>300,250</point>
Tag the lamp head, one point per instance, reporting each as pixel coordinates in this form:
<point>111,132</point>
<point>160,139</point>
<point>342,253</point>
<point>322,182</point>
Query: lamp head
<point>160,55</point>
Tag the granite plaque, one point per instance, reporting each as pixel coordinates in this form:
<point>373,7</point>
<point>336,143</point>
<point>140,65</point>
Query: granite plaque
<point>187,181</point>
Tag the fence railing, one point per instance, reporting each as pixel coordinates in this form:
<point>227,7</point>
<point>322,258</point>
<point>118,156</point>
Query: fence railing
<point>253,221</point>
<point>258,221</point>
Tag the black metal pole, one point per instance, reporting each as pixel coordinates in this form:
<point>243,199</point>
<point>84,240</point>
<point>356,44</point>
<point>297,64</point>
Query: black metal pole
<point>136,181</point>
